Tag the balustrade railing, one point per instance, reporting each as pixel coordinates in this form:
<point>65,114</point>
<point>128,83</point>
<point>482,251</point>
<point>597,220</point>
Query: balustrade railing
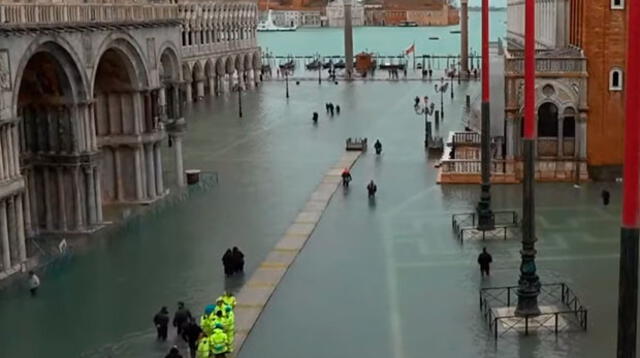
<point>21,14</point>
<point>470,166</point>
<point>466,138</point>
<point>548,64</point>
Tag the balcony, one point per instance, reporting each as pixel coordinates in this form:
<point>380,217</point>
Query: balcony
<point>28,15</point>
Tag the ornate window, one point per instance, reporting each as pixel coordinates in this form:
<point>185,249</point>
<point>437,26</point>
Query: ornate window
<point>617,4</point>
<point>615,80</point>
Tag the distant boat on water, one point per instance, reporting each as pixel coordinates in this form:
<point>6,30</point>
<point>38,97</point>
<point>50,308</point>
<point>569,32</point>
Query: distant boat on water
<point>454,31</point>
<point>434,38</point>
<point>269,26</point>
<point>408,24</point>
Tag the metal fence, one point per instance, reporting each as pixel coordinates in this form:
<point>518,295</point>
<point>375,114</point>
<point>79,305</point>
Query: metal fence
<point>464,226</point>
<point>567,311</point>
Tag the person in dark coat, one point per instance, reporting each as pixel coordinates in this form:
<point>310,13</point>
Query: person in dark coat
<point>338,109</point>
<point>484,260</point>
<point>326,106</point>
<point>606,196</point>
<point>372,188</point>
<point>227,262</point>
<point>181,318</point>
<point>315,117</point>
<point>416,101</point>
<point>238,260</point>
<point>191,334</point>
<point>173,353</point>
<point>161,321</point>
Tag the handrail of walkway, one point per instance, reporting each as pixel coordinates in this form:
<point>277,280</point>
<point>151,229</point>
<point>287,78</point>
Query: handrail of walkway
<point>23,14</point>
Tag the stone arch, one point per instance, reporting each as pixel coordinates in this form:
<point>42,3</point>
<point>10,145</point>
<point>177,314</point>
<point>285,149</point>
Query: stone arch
<point>210,73</point>
<point>51,93</point>
<point>229,64</point>
<point>68,59</point>
<point>239,63</point>
<point>256,60</point>
<point>197,83</point>
<point>547,127</point>
<point>248,61</point>
<point>221,66</point>
<point>135,63</point>
<point>170,78</point>
<point>126,108</point>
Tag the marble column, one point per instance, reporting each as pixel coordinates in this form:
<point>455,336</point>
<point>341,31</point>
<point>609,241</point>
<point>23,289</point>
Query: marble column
<point>33,201</point>
<point>5,152</point>
<point>177,144</point>
<point>212,86</point>
<point>28,228</point>
<point>560,137</point>
<point>229,83</point>
<point>62,217</point>
<point>92,129</point>
<point>98,194</point>
<point>91,195</point>
<point>250,79</point>
<point>48,198</point>
<point>118,175</point>
<point>158,159</point>
<point>77,199</point>
<point>151,181</point>
<point>4,236</point>
<point>138,112</point>
<point>464,37</point>
<point>22,246</point>
<point>188,92</point>
<point>510,137</point>
<point>13,233</point>
<point>138,173</point>
<point>583,138</point>
<point>3,172</point>
<point>12,151</point>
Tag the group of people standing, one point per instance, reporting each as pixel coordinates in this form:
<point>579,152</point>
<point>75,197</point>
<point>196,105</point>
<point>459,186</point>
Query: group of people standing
<point>233,261</point>
<point>218,328</point>
<point>212,337</point>
<point>332,109</point>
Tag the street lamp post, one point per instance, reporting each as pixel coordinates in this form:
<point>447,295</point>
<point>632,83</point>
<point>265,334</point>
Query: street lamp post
<point>459,71</point>
<point>529,282</point>
<point>319,70</point>
<point>427,111</point>
<point>441,89</point>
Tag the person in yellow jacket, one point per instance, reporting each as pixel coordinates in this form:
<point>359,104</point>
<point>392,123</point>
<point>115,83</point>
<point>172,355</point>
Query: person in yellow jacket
<point>227,324</point>
<point>222,307</point>
<point>204,347</point>
<point>228,299</point>
<point>206,321</point>
<point>219,343</point>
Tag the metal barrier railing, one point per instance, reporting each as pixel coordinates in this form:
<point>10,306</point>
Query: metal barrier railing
<point>570,315</point>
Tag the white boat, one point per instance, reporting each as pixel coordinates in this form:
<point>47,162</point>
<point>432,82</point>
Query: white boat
<point>269,26</point>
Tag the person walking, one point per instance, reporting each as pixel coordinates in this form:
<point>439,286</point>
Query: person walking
<point>191,334</point>
<point>315,117</point>
<point>338,109</point>
<point>372,188</point>
<point>206,321</point>
<point>228,298</point>
<point>174,353</point>
<point>484,260</point>
<point>34,283</point>
<point>238,260</point>
<point>227,262</point>
<point>606,196</point>
<point>346,177</point>
<point>161,321</point>
<point>181,318</point>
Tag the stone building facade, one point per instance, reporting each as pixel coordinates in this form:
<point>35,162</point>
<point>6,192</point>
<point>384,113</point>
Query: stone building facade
<point>335,13</point>
<point>86,105</point>
<point>580,81</point>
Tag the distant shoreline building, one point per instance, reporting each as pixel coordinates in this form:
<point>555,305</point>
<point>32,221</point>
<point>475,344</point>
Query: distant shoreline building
<point>335,13</point>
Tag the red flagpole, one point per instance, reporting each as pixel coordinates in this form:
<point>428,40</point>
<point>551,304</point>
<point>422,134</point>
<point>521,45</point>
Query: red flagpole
<point>629,233</point>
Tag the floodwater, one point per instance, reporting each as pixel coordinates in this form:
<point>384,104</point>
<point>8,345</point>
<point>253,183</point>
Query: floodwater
<point>386,41</point>
<point>377,279</point>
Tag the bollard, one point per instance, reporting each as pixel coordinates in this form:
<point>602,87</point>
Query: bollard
<point>437,117</point>
<point>193,176</point>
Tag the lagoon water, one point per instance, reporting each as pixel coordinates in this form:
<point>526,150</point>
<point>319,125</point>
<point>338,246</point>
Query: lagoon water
<point>387,41</point>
